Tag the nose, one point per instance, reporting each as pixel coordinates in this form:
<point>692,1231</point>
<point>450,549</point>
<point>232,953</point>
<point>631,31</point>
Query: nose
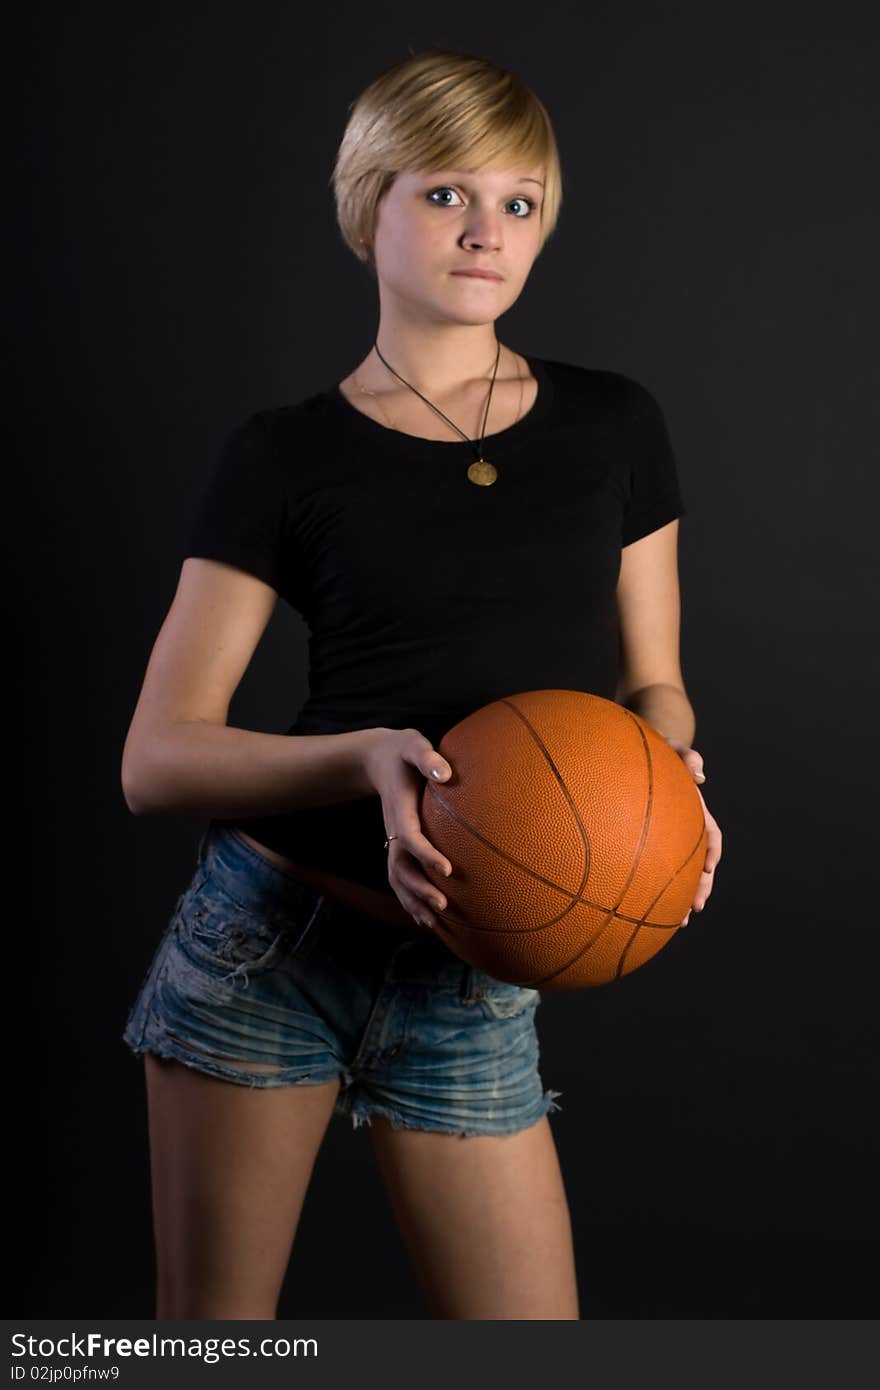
<point>483,233</point>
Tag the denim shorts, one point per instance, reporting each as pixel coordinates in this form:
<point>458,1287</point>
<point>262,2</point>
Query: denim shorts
<point>258,967</point>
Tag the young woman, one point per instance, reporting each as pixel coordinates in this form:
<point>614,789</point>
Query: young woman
<point>455,521</point>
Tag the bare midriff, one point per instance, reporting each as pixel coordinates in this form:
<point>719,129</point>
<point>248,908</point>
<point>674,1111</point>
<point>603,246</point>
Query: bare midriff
<point>356,895</point>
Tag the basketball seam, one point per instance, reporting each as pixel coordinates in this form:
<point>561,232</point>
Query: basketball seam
<point>612,912</point>
<point>572,896</point>
<point>576,897</point>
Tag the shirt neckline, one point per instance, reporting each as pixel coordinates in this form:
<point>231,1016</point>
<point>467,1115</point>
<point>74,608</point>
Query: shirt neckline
<point>354,419</point>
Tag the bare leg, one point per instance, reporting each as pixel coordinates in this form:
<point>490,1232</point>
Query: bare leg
<point>230,1166</point>
<point>484,1218</point>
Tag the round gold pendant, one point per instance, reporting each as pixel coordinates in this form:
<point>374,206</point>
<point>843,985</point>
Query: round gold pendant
<point>482,473</point>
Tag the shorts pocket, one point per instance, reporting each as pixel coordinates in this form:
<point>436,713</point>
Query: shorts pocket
<point>498,999</point>
<point>218,935</point>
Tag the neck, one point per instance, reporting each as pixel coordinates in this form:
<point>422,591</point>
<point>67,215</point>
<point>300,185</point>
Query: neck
<point>439,360</point>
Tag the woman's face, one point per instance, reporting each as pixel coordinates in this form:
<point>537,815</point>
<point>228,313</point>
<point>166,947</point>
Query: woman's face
<point>431,225</point>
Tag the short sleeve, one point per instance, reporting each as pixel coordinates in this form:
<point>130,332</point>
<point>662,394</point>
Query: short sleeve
<point>654,492</point>
<point>240,516</point>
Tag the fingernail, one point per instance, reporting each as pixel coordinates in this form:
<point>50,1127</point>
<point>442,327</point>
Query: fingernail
<point>448,871</point>
<point>701,775</point>
<point>439,771</point>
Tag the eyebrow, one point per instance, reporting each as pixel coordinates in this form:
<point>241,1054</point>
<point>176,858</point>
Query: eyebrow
<point>520,178</point>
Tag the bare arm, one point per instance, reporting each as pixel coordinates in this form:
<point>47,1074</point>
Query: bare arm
<point>651,682</point>
<point>199,768</point>
<point>181,756</point>
<point>649,607</point>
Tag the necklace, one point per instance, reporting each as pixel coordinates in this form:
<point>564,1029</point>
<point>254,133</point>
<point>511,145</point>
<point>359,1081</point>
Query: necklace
<point>481,471</point>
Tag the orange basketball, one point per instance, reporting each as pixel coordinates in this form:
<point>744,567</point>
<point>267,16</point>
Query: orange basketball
<point>576,837</point>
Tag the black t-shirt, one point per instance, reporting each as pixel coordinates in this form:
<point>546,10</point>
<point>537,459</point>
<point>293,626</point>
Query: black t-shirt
<point>426,596</point>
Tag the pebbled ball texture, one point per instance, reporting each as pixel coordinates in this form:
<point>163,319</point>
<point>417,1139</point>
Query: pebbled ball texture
<point>576,837</point>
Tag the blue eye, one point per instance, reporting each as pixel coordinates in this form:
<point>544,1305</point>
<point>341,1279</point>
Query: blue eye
<point>520,198</point>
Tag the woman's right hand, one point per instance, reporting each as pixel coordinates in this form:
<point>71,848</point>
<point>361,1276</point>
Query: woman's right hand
<point>396,762</point>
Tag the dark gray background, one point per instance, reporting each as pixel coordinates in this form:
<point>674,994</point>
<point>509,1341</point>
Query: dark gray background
<point>179,267</point>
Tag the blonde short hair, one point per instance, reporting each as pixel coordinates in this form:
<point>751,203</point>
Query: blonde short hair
<point>439,109</point>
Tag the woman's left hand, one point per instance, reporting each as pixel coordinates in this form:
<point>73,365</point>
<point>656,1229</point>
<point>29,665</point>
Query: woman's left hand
<point>694,762</point>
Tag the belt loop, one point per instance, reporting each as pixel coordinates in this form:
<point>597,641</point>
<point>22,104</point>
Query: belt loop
<point>400,948</point>
<point>468,985</point>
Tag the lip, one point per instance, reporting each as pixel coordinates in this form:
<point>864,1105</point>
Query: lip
<point>479,274</point>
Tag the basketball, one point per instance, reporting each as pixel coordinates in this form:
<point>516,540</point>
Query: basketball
<point>576,836</point>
